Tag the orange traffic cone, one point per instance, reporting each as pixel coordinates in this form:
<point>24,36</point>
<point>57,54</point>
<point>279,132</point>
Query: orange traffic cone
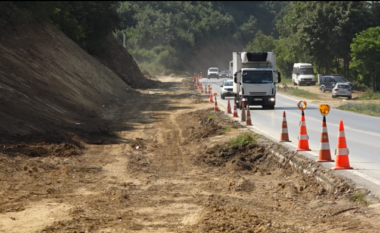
<point>284,133</point>
<point>211,100</point>
<point>324,151</point>
<point>205,89</point>
<point>242,112</point>
<point>341,151</point>
<point>216,109</point>
<point>303,143</point>
<point>248,122</point>
<point>229,107</point>
<point>235,110</point>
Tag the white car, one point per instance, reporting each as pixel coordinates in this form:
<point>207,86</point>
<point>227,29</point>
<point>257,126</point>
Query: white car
<point>227,89</point>
<point>213,72</point>
<point>342,89</point>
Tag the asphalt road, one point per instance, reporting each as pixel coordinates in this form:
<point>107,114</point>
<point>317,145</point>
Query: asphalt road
<point>362,133</point>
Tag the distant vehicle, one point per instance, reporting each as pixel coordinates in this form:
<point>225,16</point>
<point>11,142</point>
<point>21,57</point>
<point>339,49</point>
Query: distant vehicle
<point>327,82</point>
<point>303,74</point>
<point>227,89</point>
<point>231,67</point>
<point>213,72</point>
<point>224,74</point>
<point>342,89</point>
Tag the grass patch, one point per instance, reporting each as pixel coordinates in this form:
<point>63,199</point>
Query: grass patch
<point>359,197</point>
<point>286,81</point>
<point>212,116</point>
<point>368,109</point>
<point>243,139</point>
<point>301,93</point>
<point>227,129</point>
<point>370,95</point>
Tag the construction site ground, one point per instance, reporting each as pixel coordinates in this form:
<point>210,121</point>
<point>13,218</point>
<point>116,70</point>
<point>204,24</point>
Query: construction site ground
<point>172,170</point>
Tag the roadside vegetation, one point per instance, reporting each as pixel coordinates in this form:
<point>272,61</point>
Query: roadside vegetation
<point>295,91</point>
<point>364,108</point>
<point>243,139</point>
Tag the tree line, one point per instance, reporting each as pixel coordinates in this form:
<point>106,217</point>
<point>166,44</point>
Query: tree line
<point>163,35</point>
<point>336,36</point>
<point>87,23</point>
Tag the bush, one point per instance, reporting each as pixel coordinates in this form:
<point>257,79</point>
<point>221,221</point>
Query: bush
<point>359,86</point>
<point>370,95</point>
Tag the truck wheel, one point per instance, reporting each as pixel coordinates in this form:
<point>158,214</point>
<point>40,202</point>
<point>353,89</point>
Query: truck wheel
<point>350,97</point>
<point>323,89</point>
<point>222,96</point>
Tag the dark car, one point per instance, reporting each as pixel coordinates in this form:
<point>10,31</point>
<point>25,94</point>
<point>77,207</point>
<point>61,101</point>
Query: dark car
<point>327,82</point>
<point>224,74</point>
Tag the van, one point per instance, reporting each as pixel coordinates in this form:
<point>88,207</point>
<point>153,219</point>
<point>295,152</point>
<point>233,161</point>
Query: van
<point>303,74</point>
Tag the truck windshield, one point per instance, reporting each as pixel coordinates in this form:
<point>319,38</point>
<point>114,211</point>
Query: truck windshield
<point>257,77</point>
<point>306,71</point>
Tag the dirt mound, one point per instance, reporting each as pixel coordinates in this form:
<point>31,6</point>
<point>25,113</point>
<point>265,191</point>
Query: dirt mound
<point>235,158</point>
<point>205,123</point>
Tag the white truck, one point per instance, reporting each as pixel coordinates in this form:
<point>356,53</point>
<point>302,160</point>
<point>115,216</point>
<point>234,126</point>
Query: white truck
<point>255,78</point>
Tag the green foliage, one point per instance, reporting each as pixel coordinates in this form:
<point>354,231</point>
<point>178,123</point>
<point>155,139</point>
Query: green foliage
<point>243,139</point>
<point>261,43</point>
<point>359,197</point>
<point>88,23</point>
<point>286,81</point>
<point>227,129</point>
<point>358,86</point>
<point>370,95</point>
<point>42,10</point>
<point>10,14</point>
<point>212,116</point>
<point>366,58</point>
<point>364,108</point>
<point>177,29</point>
<point>323,31</point>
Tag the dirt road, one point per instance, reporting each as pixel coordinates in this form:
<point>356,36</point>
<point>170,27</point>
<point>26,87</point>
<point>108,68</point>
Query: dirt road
<point>171,171</point>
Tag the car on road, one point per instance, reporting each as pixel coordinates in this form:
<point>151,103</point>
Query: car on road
<point>327,82</point>
<point>224,74</point>
<point>213,72</point>
<point>227,89</point>
<point>342,89</point>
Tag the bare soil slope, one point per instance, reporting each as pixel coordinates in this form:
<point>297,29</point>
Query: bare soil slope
<point>49,84</point>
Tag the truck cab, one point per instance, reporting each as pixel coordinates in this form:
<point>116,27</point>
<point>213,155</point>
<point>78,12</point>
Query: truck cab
<point>255,78</point>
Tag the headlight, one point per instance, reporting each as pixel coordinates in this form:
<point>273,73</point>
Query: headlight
<point>272,99</point>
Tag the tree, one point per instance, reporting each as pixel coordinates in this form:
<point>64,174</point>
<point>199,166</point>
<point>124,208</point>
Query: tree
<point>366,56</point>
<point>261,43</point>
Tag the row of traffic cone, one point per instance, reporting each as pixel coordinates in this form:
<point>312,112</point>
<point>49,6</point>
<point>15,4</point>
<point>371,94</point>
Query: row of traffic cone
<point>341,152</point>
<point>247,119</point>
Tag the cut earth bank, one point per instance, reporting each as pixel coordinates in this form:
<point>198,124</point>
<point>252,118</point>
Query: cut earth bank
<point>173,170</point>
